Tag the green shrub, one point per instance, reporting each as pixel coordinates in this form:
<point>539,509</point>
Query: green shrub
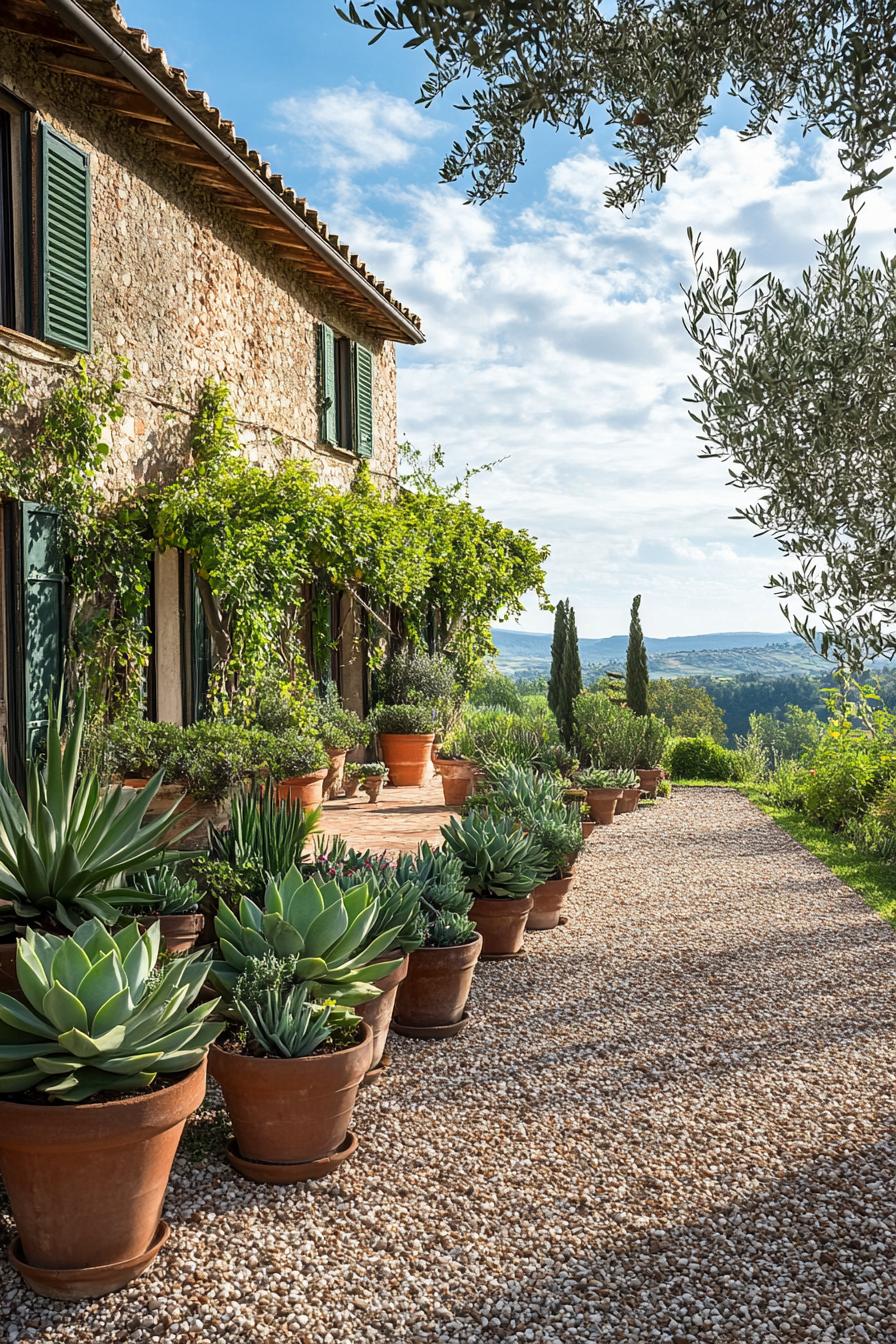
<point>292,754</point>
<point>403,718</point>
<point>701,758</point>
<point>339,728</point>
<point>209,758</point>
<point>492,688</point>
<point>414,677</point>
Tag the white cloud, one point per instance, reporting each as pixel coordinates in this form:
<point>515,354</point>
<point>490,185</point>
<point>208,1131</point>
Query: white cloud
<point>555,337</point>
<point>355,128</point>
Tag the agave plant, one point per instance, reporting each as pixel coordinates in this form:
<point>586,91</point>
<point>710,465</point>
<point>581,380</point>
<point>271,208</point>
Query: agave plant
<point>264,833</point>
<point>498,857</point>
<point>325,930</point>
<point>280,1016</point>
<point>598,779</point>
<point>624,779</point>
<point>67,851</point>
<point>168,893</point>
<point>437,876</point>
<point>99,1017</point>
<point>399,901</point>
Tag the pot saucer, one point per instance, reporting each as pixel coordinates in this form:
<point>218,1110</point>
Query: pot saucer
<point>377,1072</point>
<point>503,956</point>
<point>288,1173</point>
<point>74,1285</point>
<point>443,1033</point>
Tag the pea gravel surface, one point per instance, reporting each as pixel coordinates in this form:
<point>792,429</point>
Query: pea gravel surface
<point>671,1121</point>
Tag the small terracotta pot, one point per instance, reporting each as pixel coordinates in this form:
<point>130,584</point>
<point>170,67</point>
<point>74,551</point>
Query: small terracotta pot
<point>189,811</point>
<point>305,789</point>
<point>629,800</point>
<point>180,933</point>
<point>373,786</point>
<point>291,1111</point>
<point>435,991</point>
<point>502,923</point>
<point>408,756</point>
<point>87,1181</point>
<point>334,776</point>
<point>602,804</point>
<point>649,780</point>
<point>377,1013</point>
<point>587,827</point>
<point>548,903</point>
<point>458,778</point>
<point>350,787</point>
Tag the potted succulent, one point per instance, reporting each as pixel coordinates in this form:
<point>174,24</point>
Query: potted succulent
<point>654,736</point>
<point>100,1067</point>
<point>299,764</point>
<point>602,793</point>
<point>432,999</point>
<point>173,904</point>
<point>629,783</point>
<point>501,866</point>
<point>406,734</point>
<point>264,834</point>
<point>341,731</point>
<point>373,776</point>
<point>456,767</point>
<point>351,778</point>
<point>69,851</point>
<point>290,1075</point>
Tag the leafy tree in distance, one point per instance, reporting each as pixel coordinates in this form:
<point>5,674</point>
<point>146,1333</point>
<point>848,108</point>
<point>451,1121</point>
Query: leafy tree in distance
<point>636,676</point>
<point>570,676</point>
<point>558,644</point>
<point>688,710</point>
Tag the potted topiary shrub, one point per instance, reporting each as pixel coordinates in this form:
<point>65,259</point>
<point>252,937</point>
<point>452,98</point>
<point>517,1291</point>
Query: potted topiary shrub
<point>629,783</point>
<point>501,866</point>
<point>406,734</point>
<point>432,999</point>
<point>373,776</point>
<point>341,731</point>
<point>299,764</point>
<point>602,793</point>
<point>86,1168</point>
<point>173,904</point>
<point>290,1076</point>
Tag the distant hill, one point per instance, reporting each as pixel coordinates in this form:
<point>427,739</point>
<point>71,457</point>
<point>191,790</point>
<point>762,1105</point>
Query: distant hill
<point>725,654</point>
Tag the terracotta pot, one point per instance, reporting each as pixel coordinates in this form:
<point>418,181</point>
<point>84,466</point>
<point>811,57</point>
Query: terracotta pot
<point>180,933</point>
<point>458,778</point>
<point>548,903</point>
<point>377,1013</point>
<point>629,800</point>
<point>373,786</point>
<point>587,827</point>
<point>502,923</point>
<point>435,991</point>
<point>291,1110</point>
<point>305,789</point>
<point>334,775</point>
<point>408,756</point>
<point>189,810</point>
<point>649,780</point>
<point>350,787</point>
<point>87,1181</point>
<point>602,804</point>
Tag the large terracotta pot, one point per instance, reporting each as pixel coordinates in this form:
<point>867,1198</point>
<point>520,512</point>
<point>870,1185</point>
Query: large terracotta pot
<point>87,1182</point>
<point>377,1013</point>
<point>458,780</point>
<point>189,811</point>
<point>291,1111</point>
<point>548,903</point>
<point>502,923</point>
<point>336,772</point>
<point>629,800</point>
<point>602,804</point>
<point>305,789</point>
<point>435,991</point>
<point>649,781</point>
<point>408,756</point>
<point>180,933</point>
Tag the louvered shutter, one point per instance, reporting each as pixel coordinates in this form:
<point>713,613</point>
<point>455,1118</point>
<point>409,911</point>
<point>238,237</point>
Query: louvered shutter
<point>65,227</point>
<point>326,382</point>
<point>362,380</point>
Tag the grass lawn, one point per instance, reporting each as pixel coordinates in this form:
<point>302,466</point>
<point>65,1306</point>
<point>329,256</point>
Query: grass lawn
<point>874,879</point>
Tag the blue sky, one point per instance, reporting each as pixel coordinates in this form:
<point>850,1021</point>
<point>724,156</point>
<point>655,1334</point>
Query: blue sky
<point>554,326</point>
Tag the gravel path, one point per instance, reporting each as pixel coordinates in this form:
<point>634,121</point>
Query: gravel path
<point>671,1122</point>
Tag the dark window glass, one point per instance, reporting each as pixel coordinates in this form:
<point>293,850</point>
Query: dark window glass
<point>7,238</point>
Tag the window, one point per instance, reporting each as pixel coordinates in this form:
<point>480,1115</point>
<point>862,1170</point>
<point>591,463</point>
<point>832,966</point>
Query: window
<point>15,245</point>
<point>345,392</point>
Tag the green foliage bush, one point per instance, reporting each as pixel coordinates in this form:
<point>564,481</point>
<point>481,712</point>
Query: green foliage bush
<point>491,687</point>
<point>701,758</point>
<point>686,709</point>
<point>414,718</point>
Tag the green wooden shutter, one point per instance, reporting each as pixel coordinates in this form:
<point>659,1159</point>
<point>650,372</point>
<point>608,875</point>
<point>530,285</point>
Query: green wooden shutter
<point>200,654</point>
<point>362,380</point>
<point>42,617</point>
<point>326,382</point>
<point>65,241</point>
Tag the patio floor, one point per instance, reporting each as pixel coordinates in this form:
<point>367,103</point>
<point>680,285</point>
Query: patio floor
<point>399,821</point>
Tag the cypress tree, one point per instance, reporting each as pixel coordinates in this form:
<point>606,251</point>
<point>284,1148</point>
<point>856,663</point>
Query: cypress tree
<point>570,677</point>
<point>636,678</point>
<point>558,644</point>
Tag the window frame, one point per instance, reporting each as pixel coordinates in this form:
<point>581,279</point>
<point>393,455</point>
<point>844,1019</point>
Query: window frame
<point>17,254</point>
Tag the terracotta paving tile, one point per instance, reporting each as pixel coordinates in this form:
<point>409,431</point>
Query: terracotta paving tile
<point>399,821</point>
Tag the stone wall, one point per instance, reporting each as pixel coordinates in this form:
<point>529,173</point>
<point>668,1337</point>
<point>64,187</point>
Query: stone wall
<point>183,291</point>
